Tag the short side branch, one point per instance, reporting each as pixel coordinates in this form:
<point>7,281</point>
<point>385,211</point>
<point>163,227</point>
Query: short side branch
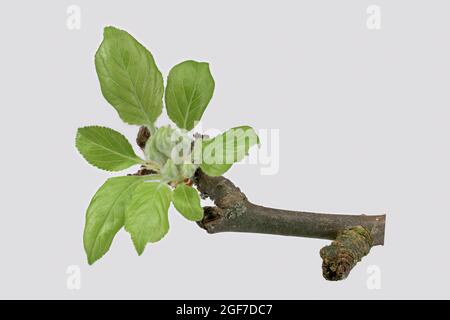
<point>350,246</point>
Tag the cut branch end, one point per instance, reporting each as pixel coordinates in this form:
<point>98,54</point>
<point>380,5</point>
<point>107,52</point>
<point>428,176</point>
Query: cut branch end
<point>350,246</point>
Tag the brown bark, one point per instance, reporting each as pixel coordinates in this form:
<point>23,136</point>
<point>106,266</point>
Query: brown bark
<point>142,137</point>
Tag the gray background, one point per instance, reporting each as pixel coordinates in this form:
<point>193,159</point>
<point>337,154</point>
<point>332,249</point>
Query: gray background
<point>363,118</point>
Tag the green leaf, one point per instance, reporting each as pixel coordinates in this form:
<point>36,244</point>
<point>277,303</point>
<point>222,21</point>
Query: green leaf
<point>187,201</point>
<point>167,143</point>
<point>106,214</point>
<point>146,218</point>
<point>106,148</point>
<point>221,152</point>
<point>129,78</point>
<point>190,87</point>
<point>170,171</point>
<point>160,145</point>
<point>187,170</point>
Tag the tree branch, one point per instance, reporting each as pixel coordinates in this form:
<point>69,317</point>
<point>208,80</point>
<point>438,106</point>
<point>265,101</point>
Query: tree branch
<point>354,235</point>
<point>233,212</point>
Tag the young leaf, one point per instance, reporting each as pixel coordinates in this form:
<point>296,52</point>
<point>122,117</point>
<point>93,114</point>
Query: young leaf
<point>106,215</point>
<point>170,171</point>
<point>160,145</point>
<point>187,201</point>
<point>187,170</point>
<point>221,152</point>
<point>146,218</point>
<point>106,148</point>
<point>190,87</point>
<point>129,78</point>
